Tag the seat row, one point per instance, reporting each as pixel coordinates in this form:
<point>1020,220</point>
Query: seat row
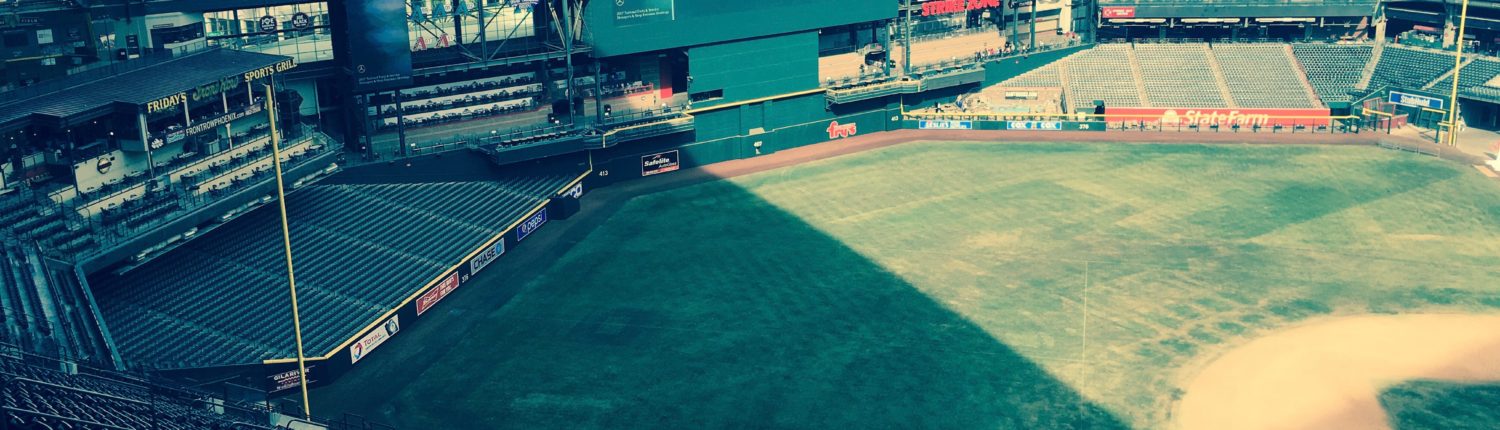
<point>360,250</point>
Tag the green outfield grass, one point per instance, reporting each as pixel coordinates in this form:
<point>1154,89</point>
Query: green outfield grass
<point>944,285</point>
<point>1436,405</point>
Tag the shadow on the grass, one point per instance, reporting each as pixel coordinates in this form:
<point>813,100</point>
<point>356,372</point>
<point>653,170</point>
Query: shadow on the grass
<point>707,307</point>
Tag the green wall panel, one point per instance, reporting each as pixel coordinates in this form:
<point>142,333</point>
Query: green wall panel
<point>620,27</point>
<point>755,68</point>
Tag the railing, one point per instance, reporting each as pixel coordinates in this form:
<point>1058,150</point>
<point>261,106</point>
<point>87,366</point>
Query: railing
<point>109,235</point>
<point>153,391</point>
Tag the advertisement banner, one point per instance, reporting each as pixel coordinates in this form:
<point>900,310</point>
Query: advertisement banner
<point>487,256</point>
<point>661,162</point>
<point>202,126</point>
<point>374,338</point>
<point>530,225</point>
<point>576,192</point>
<point>379,45</point>
<point>437,293</point>
<point>1223,117</point>
<point>943,7</point>
<point>1034,125</point>
<point>945,125</point>
<point>290,379</point>
<point>640,12</point>
<point>1413,100</point>
<point>1117,12</point>
<point>839,131</point>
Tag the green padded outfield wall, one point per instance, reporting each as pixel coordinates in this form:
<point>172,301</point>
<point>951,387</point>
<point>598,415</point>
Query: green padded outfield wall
<point>621,27</point>
<point>730,133</point>
<point>755,68</point>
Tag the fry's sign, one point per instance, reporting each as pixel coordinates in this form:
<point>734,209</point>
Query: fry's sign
<point>836,130</point>
<point>941,7</point>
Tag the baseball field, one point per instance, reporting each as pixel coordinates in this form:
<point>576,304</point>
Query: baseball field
<point>988,285</point>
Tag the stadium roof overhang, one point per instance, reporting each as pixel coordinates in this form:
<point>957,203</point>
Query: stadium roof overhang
<point>87,96</point>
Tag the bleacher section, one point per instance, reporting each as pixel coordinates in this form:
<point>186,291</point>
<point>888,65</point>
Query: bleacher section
<point>360,250</point>
<point>1178,75</point>
<point>1402,67</point>
<point>45,308</point>
<point>1048,76</point>
<point>1102,73</point>
<point>1260,76</point>
<point>1333,69</point>
<point>1474,74</point>
<point>1256,75</point>
<point>42,398</point>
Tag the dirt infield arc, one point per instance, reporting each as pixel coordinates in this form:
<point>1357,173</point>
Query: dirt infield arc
<point>1327,374</point>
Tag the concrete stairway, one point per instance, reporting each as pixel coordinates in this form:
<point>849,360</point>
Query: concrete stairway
<point>1219,80</point>
<point>1312,95</point>
<point>1138,77</point>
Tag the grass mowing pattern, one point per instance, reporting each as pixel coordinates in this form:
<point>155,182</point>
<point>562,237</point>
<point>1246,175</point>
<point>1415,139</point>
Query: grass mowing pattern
<point>1434,405</point>
<point>942,285</point>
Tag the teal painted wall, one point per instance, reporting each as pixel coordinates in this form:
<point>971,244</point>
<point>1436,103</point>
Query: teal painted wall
<point>633,26</point>
<point>755,68</point>
<point>724,134</point>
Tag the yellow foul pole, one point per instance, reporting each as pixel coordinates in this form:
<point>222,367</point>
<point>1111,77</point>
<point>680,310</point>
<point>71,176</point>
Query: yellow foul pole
<point>1458,61</point>
<point>286,240</point>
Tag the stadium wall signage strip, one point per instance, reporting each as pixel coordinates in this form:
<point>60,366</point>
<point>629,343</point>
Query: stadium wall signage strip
<point>459,277</point>
<point>1185,117</point>
<point>945,125</point>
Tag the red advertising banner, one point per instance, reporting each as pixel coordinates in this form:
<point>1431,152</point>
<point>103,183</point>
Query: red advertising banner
<point>437,293</point>
<point>1117,12</point>
<point>1224,117</point>
<point>940,7</point>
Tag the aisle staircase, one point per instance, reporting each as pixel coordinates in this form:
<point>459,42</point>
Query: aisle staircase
<point>1138,77</point>
<point>1312,94</point>
<point>1219,80</point>
<point>1369,73</point>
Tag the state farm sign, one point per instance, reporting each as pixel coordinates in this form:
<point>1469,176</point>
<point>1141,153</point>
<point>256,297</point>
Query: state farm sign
<point>1223,117</point>
<point>1117,12</point>
<point>941,7</point>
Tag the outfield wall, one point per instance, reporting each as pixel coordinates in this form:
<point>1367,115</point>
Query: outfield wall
<point>731,133</point>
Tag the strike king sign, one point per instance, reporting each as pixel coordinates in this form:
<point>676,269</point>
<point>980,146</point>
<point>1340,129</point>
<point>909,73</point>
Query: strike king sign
<point>661,162</point>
